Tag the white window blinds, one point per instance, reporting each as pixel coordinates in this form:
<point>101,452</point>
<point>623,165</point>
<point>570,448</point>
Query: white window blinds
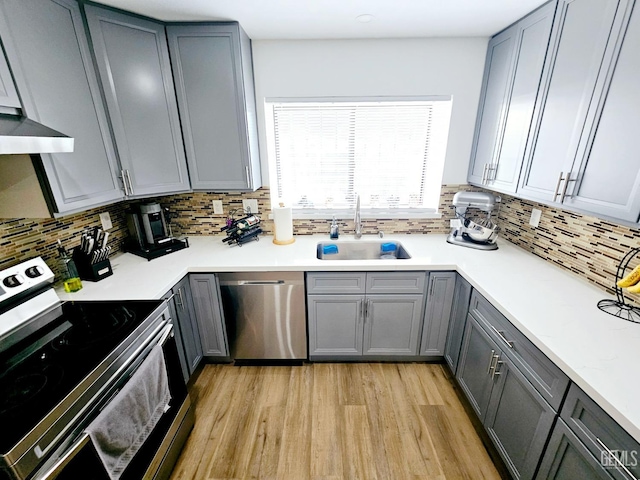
<point>391,153</point>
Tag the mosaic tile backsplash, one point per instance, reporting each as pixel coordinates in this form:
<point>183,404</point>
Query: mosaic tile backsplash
<point>586,246</point>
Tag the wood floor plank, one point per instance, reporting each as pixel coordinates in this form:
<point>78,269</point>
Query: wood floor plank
<point>295,453</point>
<point>327,421</point>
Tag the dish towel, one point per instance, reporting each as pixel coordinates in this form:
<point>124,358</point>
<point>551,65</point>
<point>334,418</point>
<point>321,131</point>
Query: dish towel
<point>121,428</point>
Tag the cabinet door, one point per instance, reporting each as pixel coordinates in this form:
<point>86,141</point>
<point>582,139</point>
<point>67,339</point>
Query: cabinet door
<point>392,324</point>
<point>477,362</point>
<point>518,420</point>
<point>190,335</point>
<point>214,82</point>
<point>206,300</point>
<point>581,33</point>
<point>566,458</point>
<point>133,62</point>
<point>8,94</point>
<point>335,325</point>
<point>457,322</point>
<point>437,313</point>
<point>47,49</point>
<point>531,47</point>
<point>608,178</point>
<point>493,99</point>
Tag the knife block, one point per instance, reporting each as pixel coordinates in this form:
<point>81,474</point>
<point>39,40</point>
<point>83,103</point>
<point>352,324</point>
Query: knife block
<point>93,272</point>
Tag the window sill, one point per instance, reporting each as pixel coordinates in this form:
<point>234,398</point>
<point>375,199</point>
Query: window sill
<point>364,215</point>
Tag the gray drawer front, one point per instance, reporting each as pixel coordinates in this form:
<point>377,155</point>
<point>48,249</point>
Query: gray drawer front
<point>548,379</point>
<point>336,282</point>
<point>589,422</point>
<point>396,282</point>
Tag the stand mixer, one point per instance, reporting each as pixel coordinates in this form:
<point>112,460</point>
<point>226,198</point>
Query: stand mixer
<point>474,229</point>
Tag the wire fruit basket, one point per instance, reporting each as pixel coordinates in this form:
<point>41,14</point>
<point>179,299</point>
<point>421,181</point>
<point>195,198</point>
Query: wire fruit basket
<point>620,307</point>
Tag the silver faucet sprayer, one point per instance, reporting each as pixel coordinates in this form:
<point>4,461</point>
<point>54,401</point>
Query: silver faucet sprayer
<point>357,220</point>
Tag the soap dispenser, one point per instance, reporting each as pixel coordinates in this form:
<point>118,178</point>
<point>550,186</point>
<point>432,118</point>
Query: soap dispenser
<point>334,232</point>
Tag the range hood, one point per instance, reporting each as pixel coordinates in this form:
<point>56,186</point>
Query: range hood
<point>20,135</point>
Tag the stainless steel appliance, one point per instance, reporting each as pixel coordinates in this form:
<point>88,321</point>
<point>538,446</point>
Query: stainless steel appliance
<point>473,226</point>
<point>61,363</point>
<point>265,315</point>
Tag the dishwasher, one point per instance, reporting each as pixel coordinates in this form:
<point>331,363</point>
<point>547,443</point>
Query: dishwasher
<point>265,315</point>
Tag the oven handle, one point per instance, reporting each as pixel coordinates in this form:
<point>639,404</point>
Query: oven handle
<point>62,462</point>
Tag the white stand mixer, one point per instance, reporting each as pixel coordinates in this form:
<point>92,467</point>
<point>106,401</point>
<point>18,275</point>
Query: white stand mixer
<point>474,231</point>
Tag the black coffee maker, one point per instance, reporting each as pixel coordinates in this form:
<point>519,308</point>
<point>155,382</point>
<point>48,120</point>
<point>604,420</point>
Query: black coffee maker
<point>149,235</point>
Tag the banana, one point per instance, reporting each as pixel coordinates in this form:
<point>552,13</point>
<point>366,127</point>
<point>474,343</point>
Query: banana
<point>632,279</point>
<point>634,289</point>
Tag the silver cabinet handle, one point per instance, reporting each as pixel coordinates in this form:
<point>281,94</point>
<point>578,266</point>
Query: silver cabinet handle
<point>566,184</point>
<point>557,191</point>
<point>123,176</point>
<point>369,309</point>
<point>181,302</point>
<point>492,168</point>
<point>495,367</point>
<point>129,180</point>
<point>616,459</point>
<point>493,353</point>
<point>484,173</point>
<point>500,334</point>
<point>246,171</point>
<point>361,310</point>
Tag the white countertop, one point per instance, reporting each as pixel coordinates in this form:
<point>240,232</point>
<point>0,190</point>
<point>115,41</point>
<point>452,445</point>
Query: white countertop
<point>555,309</point>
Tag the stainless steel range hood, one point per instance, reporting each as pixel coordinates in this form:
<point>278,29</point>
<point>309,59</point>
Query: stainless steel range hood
<point>20,135</point>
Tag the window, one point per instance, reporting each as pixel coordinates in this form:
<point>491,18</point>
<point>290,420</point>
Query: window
<point>324,152</point>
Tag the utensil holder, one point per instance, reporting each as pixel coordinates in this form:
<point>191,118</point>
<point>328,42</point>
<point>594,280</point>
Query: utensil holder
<point>93,272</point>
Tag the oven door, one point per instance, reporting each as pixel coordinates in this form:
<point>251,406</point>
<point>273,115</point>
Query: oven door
<point>77,457</point>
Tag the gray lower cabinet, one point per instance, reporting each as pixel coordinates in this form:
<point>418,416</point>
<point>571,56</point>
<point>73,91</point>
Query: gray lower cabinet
<point>135,71</point>
<point>517,418</point>
<point>186,327</point>
<point>8,93</point>
<point>566,458</point>
<point>364,325</point>
<point>205,290</point>
<point>440,291</point>
<point>213,74</point>
<point>47,49</point>
<point>457,322</point>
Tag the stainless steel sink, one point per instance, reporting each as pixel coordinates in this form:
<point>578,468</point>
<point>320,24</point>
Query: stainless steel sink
<point>358,250</point>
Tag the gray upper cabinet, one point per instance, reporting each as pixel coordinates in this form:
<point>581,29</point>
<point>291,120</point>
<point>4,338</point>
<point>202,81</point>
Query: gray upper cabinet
<point>213,73</point>
<point>513,71</point>
<point>457,322</point>
<point>608,177</point>
<point>492,104</point>
<point>8,93</point>
<point>134,67</point>
<point>205,290</point>
<point>437,313</point>
<point>582,34</point>
<point>46,45</point>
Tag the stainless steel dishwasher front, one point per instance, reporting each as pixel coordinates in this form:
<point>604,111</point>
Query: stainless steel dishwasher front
<point>265,314</point>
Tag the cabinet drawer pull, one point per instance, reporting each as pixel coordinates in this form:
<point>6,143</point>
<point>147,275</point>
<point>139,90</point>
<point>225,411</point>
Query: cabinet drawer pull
<point>495,368</point>
<point>616,459</point>
<point>500,334</point>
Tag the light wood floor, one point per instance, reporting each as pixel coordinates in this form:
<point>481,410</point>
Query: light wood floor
<point>331,421</point>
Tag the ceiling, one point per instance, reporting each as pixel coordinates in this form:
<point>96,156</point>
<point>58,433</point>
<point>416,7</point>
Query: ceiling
<point>332,19</point>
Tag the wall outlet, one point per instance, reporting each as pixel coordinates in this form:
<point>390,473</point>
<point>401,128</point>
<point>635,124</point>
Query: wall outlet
<point>217,207</point>
<point>105,219</point>
<point>535,217</point>
<point>250,206</point>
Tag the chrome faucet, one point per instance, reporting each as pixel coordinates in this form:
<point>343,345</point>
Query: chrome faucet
<point>357,220</point>
<point>334,229</point>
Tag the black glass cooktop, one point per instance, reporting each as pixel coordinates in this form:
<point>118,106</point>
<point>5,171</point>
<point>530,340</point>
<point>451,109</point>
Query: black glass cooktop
<point>37,373</point>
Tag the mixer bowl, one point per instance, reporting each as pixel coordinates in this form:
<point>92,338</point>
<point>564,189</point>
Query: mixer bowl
<point>480,233</point>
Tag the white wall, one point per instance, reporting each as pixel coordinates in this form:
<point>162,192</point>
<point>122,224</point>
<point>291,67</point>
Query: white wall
<point>425,66</point>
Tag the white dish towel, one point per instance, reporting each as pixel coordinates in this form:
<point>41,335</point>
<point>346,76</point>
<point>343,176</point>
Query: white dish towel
<point>121,428</point>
